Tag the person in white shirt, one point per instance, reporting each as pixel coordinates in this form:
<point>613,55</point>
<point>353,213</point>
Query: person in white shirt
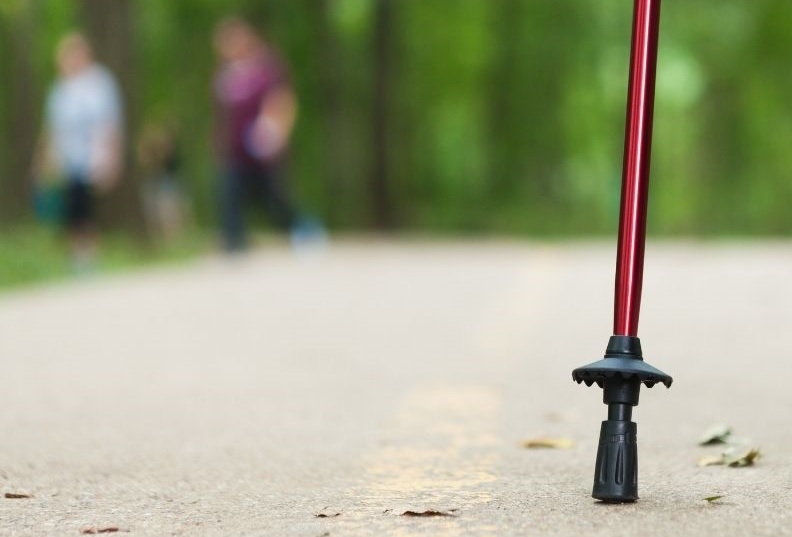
<point>82,141</point>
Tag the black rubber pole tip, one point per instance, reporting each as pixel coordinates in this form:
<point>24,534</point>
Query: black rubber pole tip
<point>620,374</point>
<point>616,472</point>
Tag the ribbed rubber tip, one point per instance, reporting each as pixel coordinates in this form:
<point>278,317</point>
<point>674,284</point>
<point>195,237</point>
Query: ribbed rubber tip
<point>616,474</point>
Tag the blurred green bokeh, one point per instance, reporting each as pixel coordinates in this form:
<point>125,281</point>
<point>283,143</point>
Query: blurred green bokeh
<point>500,116</point>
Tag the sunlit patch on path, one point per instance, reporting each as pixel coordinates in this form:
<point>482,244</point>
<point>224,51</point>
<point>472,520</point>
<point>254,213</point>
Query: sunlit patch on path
<point>437,454</point>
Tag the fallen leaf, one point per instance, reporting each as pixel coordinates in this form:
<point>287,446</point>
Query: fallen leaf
<point>549,443</point>
<point>94,531</point>
<point>711,460</point>
<point>429,513</point>
<point>712,499</point>
<point>716,434</point>
<point>742,458</point>
<point>327,515</point>
<point>17,496</point>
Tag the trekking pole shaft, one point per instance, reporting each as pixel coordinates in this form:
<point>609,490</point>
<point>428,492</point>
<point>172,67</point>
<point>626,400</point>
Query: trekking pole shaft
<point>635,178</point>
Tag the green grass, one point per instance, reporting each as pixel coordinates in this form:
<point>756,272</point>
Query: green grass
<point>32,254</point>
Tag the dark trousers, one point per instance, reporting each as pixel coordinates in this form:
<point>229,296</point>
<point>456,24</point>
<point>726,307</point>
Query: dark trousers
<point>260,184</point>
<point>79,212</point>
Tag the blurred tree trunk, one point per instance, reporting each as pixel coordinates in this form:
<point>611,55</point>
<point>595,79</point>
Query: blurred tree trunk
<point>528,80</point>
<point>110,26</point>
<point>380,187</point>
<point>504,123</point>
<point>22,121</point>
<point>330,78</point>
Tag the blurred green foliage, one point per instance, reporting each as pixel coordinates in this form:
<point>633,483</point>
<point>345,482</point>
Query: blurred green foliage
<point>32,254</point>
<point>504,116</point>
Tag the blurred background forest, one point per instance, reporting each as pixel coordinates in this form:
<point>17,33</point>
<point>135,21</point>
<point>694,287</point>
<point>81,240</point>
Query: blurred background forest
<point>446,116</point>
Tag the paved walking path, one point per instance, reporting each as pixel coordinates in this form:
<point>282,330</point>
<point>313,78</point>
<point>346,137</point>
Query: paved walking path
<point>248,396</point>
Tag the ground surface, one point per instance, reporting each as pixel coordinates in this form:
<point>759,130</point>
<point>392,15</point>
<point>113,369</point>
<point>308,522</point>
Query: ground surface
<point>245,397</point>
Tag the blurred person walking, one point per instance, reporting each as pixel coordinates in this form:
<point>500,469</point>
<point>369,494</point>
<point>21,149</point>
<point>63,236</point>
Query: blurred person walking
<point>256,112</point>
<point>82,142</point>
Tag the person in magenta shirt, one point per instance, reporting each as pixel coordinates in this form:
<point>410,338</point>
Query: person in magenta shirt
<point>256,112</point>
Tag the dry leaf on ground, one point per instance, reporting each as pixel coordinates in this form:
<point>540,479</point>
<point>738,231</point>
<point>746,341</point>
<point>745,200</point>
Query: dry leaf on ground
<point>716,434</point>
<point>429,513</point>
<point>548,443</point>
<point>712,499</point>
<point>732,458</point>
<point>17,496</point>
<point>742,458</point>
<point>711,460</point>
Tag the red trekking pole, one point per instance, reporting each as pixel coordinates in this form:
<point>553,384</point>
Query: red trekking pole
<point>623,370</point>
